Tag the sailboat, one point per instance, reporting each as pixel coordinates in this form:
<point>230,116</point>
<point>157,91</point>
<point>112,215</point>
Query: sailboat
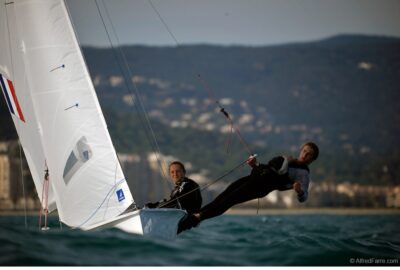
<point>61,127</point>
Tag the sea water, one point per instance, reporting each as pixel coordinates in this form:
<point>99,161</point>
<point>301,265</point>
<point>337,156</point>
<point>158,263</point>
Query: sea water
<point>229,240</point>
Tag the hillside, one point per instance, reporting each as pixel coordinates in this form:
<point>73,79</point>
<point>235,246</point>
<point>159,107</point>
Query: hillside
<point>341,92</point>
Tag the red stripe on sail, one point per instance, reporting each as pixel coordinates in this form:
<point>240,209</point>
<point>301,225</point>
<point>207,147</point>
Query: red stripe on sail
<point>21,116</point>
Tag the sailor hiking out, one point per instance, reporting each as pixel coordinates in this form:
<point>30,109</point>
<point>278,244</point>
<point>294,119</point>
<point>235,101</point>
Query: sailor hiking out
<point>281,173</point>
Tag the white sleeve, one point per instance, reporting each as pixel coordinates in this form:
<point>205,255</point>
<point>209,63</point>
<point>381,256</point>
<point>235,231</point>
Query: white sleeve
<point>284,167</point>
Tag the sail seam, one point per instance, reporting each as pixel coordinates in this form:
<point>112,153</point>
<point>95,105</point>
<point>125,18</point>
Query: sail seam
<point>47,47</point>
<point>56,91</point>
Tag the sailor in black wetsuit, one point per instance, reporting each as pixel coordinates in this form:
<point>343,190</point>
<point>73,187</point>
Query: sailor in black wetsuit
<point>186,193</point>
<point>280,173</point>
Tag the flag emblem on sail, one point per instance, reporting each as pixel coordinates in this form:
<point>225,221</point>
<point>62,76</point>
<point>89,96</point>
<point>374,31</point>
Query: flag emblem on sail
<point>11,97</point>
<point>120,195</point>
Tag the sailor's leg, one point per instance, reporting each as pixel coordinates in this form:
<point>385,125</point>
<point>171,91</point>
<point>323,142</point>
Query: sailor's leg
<point>242,190</point>
<point>228,192</point>
<point>218,206</point>
<point>245,189</point>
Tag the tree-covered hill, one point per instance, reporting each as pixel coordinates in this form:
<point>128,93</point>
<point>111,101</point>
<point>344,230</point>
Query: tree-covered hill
<point>341,92</point>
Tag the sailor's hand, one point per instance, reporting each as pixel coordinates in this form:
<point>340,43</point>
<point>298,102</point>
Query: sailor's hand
<point>297,188</point>
<point>252,161</point>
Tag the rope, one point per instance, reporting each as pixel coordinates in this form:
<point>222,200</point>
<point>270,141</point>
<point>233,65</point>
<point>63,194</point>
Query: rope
<point>45,199</point>
<point>226,114</point>
<point>41,207</point>
<point>23,183</point>
<point>137,94</point>
<point>47,181</point>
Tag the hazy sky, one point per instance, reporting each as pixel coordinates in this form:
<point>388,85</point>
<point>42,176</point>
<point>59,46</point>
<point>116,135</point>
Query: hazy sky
<point>245,22</point>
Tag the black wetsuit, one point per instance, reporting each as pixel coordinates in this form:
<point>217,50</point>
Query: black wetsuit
<point>185,195</point>
<point>262,180</point>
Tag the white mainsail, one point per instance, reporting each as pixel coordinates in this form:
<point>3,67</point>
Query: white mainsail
<point>63,125</point>
<point>17,94</point>
<point>89,185</point>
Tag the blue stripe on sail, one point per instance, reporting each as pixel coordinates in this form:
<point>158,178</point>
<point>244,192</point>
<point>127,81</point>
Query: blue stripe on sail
<point>3,86</point>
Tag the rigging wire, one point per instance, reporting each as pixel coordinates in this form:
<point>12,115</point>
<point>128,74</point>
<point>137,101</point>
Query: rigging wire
<point>205,84</point>
<point>165,24</point>
<point>128,70</point>
<point>222,110</point>
<point>126,79</point>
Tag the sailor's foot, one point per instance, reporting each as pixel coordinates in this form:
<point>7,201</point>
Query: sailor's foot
<point>189,222</point>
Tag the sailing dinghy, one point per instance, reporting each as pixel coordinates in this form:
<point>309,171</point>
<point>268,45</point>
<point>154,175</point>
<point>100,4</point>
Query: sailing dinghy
<point>60,124</point>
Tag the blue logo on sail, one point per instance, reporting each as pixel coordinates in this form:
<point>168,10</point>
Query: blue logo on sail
<point>120,195</point>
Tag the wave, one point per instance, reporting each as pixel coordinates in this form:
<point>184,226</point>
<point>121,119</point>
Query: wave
<point>298,240</point>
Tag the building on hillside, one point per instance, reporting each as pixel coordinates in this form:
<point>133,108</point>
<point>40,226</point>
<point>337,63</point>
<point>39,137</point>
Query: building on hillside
<point>17,191</point>
<point>5,187</point>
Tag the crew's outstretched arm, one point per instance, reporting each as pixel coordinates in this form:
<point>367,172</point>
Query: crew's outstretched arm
<point>302,190</point>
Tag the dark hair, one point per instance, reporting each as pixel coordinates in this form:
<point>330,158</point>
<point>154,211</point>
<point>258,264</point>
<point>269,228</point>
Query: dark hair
<point>314,147</point>
<point>177,163</point>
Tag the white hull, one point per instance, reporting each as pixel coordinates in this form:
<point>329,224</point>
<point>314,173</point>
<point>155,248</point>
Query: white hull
<point>159,223</point>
